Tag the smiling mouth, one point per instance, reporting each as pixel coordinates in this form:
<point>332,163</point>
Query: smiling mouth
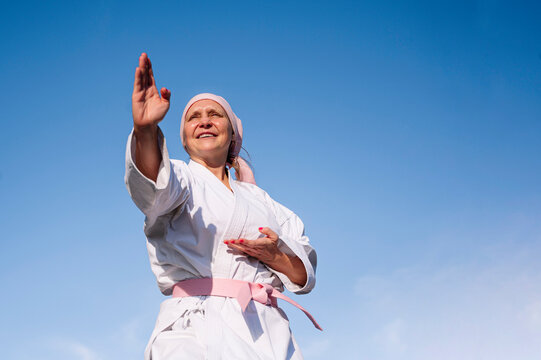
<point>206,135</point>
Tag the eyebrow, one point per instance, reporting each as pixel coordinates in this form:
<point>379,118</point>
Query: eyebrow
<point>197,112</point>
<point>216,110</point>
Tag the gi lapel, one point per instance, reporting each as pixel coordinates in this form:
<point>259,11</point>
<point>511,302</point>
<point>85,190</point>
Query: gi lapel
<point>237,222</point>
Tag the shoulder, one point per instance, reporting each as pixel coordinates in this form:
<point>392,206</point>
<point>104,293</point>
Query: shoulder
<point>253,191</point>
<point>281,212</point>
<point>181,169</point>
<point>180,164</point>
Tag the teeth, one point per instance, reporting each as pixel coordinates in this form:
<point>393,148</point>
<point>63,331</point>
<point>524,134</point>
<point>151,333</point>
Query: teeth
<point>205,135</point>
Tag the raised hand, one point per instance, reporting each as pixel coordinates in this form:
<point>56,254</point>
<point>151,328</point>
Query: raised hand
<point>148,108</point>
<point>266,250</point>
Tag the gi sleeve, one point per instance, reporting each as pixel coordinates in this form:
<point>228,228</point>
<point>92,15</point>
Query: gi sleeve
<point>155,198</point>
<point>294,242</point>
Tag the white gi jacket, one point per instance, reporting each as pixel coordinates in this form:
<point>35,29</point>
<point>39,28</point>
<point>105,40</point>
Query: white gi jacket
<point>189,212</point>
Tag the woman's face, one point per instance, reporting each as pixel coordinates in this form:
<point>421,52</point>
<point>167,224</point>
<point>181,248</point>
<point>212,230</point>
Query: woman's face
<point>207,131</point>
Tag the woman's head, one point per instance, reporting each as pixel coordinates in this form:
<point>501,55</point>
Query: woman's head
<point>210,131</point>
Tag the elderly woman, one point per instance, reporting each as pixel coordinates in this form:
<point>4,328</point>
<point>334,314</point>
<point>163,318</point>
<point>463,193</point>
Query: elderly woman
<point>222,248</point>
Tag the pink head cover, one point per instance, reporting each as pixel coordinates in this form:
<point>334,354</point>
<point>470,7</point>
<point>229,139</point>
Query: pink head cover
<point>246,174</point>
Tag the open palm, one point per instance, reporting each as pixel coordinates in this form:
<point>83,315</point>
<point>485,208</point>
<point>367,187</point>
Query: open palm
<point>148,107</point>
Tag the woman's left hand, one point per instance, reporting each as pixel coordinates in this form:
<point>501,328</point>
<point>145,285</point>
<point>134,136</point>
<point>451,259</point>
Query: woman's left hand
<point>264,249</point>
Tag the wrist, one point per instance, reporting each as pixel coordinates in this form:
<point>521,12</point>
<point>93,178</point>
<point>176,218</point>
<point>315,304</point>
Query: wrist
<point>291,266</point>
<point>145,131</point>
<point>280,262</point>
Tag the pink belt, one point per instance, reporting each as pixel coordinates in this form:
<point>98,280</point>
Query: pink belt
<point>243,291</point>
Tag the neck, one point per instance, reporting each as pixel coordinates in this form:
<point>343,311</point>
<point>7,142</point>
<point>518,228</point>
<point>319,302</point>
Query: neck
<point>217,168</point>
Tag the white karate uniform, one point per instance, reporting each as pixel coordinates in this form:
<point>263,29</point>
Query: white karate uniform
<point>189,212</point>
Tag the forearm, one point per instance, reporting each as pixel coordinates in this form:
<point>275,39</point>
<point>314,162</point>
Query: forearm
<point>291,266</point>
<point>148,156</point>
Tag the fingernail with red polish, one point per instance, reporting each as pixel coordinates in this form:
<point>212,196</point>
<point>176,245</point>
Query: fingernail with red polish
<point>226,242</point>
<point>232,241</point>
<point>260,228</point>
<point>241,241</point>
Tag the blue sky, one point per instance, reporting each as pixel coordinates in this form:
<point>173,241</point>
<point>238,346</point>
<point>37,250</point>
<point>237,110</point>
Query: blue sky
<point>405,135</point>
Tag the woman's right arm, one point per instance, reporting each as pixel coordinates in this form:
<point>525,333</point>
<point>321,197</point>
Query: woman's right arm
<point>155,184</point>
<point>148,109</point>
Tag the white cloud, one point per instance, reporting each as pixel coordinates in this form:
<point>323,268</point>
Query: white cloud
<point>130,333</point>
<point>83,352</point>
<point>531,315</point>
<point>74,349</point>
<point>485,309</point>
<point>391,336</point>
<point>317,349</point>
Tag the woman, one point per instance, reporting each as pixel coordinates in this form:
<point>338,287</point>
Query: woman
<point>222,248</point>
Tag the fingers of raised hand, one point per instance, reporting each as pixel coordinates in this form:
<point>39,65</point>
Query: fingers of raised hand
<point>142,60</point>
<point>151,75</point>
<point>146,76</point>
<point>138,82</point>
<point>166,94</point>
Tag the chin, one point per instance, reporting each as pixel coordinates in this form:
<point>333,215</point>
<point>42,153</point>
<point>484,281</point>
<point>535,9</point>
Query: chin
<point>211,149</point>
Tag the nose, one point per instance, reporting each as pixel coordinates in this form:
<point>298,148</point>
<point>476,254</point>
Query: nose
<point>205,121</point>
